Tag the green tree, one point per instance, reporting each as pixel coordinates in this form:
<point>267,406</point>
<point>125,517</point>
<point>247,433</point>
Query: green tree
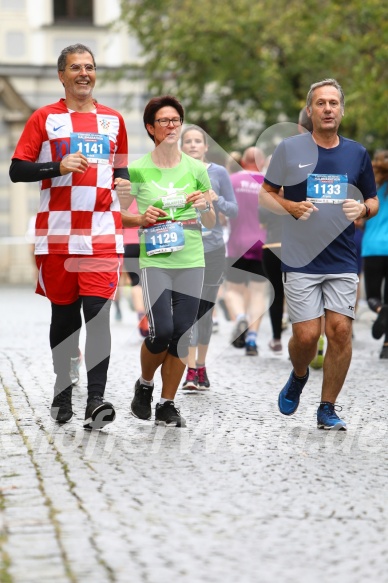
<point>245,63</point>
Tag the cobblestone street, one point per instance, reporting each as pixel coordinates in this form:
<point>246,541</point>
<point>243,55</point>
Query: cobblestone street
<point>243,494</point>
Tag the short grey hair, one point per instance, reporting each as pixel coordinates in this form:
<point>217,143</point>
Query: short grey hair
<point>71,50</point>
<point>323,83</point>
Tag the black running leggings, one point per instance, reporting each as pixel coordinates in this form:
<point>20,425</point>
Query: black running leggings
<point>375,274</point>
<point>171,298</point>
<point>64,335</point>
<point>273,272</point>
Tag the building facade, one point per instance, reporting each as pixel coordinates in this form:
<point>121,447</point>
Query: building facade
<point>32,35</point>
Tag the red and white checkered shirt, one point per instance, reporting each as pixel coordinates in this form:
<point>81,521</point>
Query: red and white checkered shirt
<point>78,213</point>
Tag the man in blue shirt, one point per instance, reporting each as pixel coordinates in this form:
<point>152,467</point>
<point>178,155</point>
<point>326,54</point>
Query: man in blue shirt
<point>328,182</point>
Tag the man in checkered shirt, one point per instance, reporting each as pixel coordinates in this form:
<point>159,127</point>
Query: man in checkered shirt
<point>77,150</point>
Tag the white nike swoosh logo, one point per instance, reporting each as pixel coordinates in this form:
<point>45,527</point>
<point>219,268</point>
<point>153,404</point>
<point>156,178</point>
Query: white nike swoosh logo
<point>304,165</point>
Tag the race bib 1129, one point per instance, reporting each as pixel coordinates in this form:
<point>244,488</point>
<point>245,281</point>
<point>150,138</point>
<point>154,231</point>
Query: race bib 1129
<point>164,238</point>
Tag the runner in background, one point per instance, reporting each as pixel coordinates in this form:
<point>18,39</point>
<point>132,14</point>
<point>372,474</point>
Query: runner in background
<point>131,266</point>
<point>246,285</point>
<point>375,254</point>
<point>194,144</point>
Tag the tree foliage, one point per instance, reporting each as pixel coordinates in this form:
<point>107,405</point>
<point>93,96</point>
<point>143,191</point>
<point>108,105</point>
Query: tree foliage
<point>242,63</point>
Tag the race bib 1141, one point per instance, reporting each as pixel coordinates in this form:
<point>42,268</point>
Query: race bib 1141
<point>95,147</point>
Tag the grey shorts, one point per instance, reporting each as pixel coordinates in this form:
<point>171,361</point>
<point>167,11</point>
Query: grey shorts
<point>308,295</point>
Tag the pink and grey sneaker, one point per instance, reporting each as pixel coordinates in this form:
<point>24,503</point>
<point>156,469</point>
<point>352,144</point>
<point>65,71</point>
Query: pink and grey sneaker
<point>203,380</point>
<point>191,382</point>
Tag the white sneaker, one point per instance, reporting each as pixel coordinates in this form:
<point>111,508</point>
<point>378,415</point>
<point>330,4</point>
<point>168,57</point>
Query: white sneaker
<point>75,365</point>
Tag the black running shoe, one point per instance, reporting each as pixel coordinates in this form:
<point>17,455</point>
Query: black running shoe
<point>61,410</point>
<point>380,325</point>
<point>141,402</point>
<point>168,415</point>
<point>384,351</point>
<point>239,333</point>
<point>98,413</point>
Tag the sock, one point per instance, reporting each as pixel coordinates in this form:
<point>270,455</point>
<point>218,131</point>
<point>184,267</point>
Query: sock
<point>241,317</point>
<point>147,383</point>
<point>92,396</point>
<point>300,378</point>
<point>162,400</point>
<point>251,337</point>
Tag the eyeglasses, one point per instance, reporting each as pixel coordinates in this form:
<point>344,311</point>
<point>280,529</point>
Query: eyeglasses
<point>164,122</point>
<point>78,68</point>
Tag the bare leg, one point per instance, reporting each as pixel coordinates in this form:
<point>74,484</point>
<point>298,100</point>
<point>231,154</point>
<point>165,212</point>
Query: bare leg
<point>235,297</point>
<point>318,360</point>
<point>202,352</point>
<point>150,362</point>
<point>137,299</point>
<point>172,372</point>
<point>303,344</point>
<point>338,354</point>
<point>192,358</point>
<point>257,304</point>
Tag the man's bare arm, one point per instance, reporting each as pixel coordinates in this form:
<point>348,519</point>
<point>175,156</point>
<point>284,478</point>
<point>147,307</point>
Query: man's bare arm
<point>270,198</point>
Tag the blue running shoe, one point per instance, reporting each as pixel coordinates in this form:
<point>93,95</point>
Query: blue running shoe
<point>327,418</point>
<point>289,396</point>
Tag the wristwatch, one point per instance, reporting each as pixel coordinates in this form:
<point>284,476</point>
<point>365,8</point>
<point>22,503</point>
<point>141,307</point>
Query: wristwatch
<point>367,211</point>
<point>206,209</point>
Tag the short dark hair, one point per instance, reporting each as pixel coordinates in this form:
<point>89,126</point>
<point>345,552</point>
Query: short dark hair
<point>157,103</point>
<point>197,129</point>
<point>71,50</point>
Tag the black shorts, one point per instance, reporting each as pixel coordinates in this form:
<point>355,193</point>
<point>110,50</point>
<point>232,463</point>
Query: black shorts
<point>241,270</point>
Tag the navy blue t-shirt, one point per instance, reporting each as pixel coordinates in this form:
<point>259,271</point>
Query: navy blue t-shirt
<point>324,243</point>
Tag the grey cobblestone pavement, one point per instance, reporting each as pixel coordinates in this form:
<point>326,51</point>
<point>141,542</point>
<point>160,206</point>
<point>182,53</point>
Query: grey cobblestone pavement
<point>243,494</point>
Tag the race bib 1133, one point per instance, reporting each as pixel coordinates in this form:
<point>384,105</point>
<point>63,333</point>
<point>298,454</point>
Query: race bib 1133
<point>327,188</point>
